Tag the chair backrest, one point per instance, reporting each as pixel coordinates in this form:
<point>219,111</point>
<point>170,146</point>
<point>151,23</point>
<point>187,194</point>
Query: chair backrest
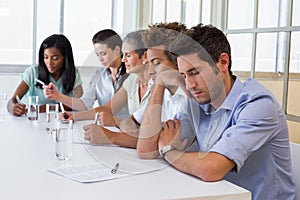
<point>295,152</point>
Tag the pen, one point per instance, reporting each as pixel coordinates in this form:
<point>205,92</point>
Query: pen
<point>114,170</point>
<point>18,99</point>
<point>63,110</point>
<point>41,82</point>
<point>96,118</point>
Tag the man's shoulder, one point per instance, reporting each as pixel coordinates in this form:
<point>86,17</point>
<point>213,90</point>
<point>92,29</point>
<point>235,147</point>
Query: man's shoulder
<point>251,88</point>
<point>253,85</point>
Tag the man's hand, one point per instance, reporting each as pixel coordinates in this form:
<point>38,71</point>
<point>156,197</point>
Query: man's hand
<point>172,79</point>
<point>170,135</point>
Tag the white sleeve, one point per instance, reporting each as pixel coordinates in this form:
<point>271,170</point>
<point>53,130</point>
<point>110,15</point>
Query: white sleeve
<point>138,115</point>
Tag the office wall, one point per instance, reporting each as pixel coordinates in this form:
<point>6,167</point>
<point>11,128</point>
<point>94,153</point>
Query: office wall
<point>9,83</point>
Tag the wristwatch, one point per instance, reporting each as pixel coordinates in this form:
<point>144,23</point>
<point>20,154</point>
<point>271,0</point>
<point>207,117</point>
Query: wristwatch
<point>166,149</point>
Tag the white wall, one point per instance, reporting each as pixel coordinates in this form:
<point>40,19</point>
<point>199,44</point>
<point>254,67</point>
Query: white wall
<point>9,83</point>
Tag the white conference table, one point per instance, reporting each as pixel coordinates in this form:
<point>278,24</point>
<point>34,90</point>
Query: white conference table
<point>27,153</point>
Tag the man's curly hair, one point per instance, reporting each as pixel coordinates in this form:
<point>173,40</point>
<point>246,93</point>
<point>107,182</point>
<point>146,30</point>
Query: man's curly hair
<point>163,34</point>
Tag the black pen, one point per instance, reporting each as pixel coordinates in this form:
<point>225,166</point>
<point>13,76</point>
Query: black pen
<point>114,170</point>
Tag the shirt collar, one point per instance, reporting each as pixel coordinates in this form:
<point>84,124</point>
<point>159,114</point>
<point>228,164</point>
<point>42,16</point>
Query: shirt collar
<point>229,101</point>
<point>233,94</point>
<point>121,70</point>
<point>179,92</point>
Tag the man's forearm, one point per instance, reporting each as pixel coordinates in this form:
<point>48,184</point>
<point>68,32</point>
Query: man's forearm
<point>74,103</point>
<point>150,127</point>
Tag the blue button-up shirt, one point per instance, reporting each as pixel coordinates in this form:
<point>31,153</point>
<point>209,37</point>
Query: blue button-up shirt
<point>250,129</point>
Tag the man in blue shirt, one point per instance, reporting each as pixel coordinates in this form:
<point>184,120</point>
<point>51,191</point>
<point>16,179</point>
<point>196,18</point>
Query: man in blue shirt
<point>240,128</point>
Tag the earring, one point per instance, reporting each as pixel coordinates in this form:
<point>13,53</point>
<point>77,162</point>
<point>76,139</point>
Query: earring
<point>145,62</point>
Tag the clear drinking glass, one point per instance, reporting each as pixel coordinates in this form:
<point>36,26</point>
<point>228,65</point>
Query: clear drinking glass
<point>33,108</point>
<point>52,115</point>
<point>64,140</point>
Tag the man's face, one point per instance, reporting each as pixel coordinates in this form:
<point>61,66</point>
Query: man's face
<point>203,83</point>
<point>158,61</point>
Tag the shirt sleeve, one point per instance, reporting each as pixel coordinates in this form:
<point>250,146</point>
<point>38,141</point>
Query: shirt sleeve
<point>254,124</point>
<point>187,131</point>
<point>89,96</point>
<point>29,76</point>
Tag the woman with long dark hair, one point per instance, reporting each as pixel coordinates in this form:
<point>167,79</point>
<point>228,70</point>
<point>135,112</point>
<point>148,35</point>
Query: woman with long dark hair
<point>55,67</point>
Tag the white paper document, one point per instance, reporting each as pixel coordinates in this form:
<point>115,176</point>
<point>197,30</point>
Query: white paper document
<point>94,172</point>
<point>105,158</point>
<point>78,133</point>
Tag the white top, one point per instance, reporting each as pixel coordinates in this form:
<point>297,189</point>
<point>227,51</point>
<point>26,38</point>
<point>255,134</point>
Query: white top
<point>172,104</point>
<point>131,86</point>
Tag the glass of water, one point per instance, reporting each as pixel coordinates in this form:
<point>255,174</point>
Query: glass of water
<point>52,115</point>
<point>33,108</point>
<point>64,140</point>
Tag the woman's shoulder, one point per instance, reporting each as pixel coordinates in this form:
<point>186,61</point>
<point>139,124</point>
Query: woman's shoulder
<point>77,71</point>
<point>31,71</point>
<point>32,68</point>
<point>131,82</point>
<point>132,77</point>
